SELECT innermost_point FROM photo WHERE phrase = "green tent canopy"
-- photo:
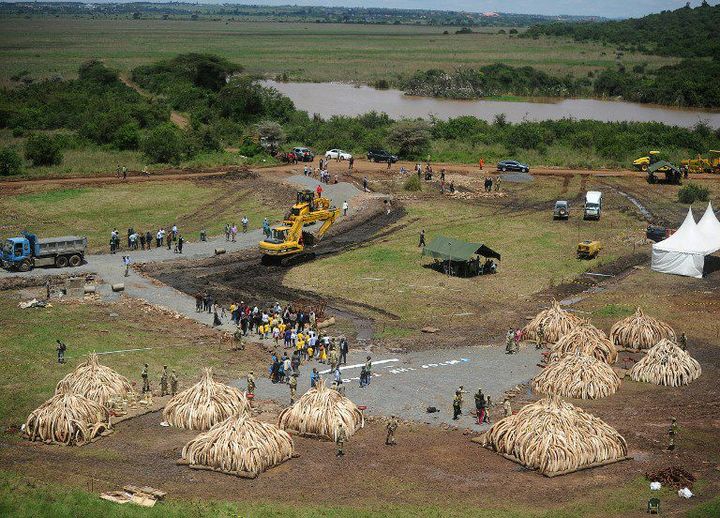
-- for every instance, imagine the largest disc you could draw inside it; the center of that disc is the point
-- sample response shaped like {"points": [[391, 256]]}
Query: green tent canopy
{"points": [[446, 248]]}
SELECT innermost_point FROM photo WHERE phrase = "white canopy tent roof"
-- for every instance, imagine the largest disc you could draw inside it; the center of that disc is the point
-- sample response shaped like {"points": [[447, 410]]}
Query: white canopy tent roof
{"points": [[684, 252]]}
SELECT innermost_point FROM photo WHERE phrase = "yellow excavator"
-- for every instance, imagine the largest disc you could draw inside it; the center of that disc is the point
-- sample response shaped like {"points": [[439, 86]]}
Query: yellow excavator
{"points": [[287, 242], [701, 164]]}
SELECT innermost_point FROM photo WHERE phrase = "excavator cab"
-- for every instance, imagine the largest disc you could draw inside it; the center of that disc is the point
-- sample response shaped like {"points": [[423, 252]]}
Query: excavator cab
{"points": [[289, 239]]}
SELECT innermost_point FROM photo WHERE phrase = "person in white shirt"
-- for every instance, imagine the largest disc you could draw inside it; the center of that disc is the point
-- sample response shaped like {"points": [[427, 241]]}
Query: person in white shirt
{"points": [[345, 208]]}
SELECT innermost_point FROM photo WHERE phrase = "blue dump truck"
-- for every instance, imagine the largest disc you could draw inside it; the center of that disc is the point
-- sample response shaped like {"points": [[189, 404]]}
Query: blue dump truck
{"points": [[27, 251]]}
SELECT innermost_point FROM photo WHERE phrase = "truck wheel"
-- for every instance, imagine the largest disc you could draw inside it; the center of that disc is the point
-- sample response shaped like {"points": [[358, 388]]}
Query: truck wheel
{"points": [[61, 261], [75, 260], [24, 266]]}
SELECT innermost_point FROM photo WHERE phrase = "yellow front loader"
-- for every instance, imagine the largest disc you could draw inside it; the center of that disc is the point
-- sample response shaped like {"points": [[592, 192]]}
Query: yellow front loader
{"points": [[711, 164], [289, 240]]}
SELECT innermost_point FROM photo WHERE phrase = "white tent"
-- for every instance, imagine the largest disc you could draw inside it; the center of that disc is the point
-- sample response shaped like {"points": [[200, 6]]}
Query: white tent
{"points": [[709, 226], [684, 252]]}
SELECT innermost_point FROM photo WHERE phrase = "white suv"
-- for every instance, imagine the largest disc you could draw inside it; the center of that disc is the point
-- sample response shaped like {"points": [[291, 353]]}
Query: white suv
{"points": [[334, 153]]}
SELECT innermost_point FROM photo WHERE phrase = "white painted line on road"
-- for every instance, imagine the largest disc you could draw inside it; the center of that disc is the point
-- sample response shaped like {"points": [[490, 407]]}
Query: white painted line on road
{"points": [[345, 367], [402, 370], [467, 314]]}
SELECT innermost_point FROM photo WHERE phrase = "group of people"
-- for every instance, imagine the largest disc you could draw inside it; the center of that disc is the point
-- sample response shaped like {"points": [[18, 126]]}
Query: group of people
{"points": [[139, 240], [231, 231], [490, 183], [168, 381], [482, 404], [513, 337]]}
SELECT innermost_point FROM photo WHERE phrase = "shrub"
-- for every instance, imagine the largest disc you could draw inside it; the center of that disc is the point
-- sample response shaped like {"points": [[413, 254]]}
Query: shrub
{"points": [[10, 162], [127, 136], [693, 192], [271, 134], [164, 143], [413, 183], [42, 149], [411, 137]]}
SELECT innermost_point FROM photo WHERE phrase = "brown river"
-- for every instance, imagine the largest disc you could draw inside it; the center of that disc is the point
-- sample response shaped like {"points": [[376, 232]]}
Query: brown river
{"points": [[328, 99]]}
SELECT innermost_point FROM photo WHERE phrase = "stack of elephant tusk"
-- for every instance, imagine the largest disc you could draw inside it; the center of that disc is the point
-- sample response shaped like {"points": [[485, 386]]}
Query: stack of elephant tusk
{"points": [[587, 339], [239, 444], [554, 436], [205, 404], [318, 413], [67, 418], [96, 382], [639, 331], [577, 376], [666, 364], [556, 323]]}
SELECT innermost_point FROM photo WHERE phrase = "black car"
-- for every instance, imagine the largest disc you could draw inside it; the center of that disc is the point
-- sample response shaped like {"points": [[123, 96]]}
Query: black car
{"points": [[512, 165], [380, 155]]}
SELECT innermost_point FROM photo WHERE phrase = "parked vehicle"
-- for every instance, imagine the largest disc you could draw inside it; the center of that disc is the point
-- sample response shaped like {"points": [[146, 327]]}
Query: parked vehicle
{"points": [[303, 154], [593, 205], [334, 153], [657, 233], [380, 155], [562, 210], [512, 165], [27, 251], [588, 249]]}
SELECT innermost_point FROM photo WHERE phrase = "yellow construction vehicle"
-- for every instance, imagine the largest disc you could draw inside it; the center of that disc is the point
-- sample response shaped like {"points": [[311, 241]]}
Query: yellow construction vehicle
{"points": [[588, 249], [289, 240], [701, 164], [644, 162]]}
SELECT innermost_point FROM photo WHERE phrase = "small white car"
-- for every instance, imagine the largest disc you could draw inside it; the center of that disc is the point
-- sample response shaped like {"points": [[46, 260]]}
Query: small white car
{"points": [[334, 153]]}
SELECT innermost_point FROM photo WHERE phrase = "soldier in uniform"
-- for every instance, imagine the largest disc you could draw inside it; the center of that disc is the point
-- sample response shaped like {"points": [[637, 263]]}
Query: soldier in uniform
{"points": [[540, 337], [173, 383], [251, 383], [238, 335], [61, 348], [392, 425], [340, 438], [457, 405], [509, 342], [293, 387], [672, 432], [145, 380], [164, 382]]}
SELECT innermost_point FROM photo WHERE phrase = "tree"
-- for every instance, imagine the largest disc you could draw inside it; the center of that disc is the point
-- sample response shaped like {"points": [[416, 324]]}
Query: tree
{"points": [[10, 162], [164, 143], [410, 137], [42, 149], [271, 134]]}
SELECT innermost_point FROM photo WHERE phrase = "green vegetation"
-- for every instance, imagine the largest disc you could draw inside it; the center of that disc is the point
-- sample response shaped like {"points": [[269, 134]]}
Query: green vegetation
{"points": [[492, 80], [693, 192], [413, 183], [10, 161], [95, 211], [685, 32], [43, 149], [614, 310]]}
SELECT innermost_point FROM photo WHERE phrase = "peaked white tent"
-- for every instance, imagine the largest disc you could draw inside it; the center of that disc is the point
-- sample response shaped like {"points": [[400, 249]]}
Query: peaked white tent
{"points": [[684, 252]]}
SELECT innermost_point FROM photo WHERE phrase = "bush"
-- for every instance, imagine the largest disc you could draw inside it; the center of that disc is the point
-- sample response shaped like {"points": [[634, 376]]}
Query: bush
{"points": [[127, 136], [10, 162], [411, 137], [42, 149], [164, 144], [693, 192], [413, 183]]}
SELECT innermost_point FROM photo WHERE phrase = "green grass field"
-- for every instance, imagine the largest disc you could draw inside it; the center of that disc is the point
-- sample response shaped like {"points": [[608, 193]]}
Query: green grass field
{"points": [[305, 51], [94, 211], [536, 252]]}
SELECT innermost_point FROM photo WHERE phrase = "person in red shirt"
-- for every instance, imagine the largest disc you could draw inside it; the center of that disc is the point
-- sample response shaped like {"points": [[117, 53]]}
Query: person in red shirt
{"points": [[319, 191]]}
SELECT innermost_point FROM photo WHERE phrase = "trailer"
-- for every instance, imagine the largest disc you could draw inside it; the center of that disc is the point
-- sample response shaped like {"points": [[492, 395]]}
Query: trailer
{"points": [[27, 251]]}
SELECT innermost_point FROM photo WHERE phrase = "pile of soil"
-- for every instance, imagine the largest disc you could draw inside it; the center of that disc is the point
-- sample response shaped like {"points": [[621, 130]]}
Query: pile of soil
{"points": [[673, 476]]}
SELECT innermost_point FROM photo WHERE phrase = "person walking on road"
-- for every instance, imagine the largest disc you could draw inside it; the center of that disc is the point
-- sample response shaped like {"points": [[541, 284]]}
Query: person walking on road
{"points": [[345, 208], [480, 406], [366, 373], [126, 263], [344, 347], [245, 222], [457, 406], [251, 383], [180, 242]]}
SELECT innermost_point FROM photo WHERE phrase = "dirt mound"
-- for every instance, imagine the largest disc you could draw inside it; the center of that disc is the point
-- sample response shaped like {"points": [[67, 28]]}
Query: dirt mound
{"points": [[673, 476]]}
